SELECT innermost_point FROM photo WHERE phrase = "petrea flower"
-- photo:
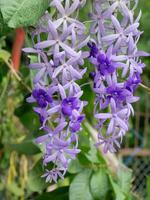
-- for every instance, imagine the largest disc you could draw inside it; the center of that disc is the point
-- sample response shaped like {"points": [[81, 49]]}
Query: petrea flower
{"points": [[105, 66], [76, 123], [117, 64], [132, 82], [57, 41], [41, 97], [68, 105], [52, 175]]}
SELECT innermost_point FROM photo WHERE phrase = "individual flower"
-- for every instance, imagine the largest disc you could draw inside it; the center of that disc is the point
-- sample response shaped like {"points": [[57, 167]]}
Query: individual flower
{"points": [[42, 97], [54, 174], [68, 105]]}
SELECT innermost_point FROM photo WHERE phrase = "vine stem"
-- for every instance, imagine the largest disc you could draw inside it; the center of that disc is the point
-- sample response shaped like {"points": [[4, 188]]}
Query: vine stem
{"points": [[111, 160], [145, 87], [16, 75]]}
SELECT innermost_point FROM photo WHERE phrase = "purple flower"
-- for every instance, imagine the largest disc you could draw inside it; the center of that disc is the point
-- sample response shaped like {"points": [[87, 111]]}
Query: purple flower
{"points": [[119, 94], [105, 66], [59, 152], [110, 144], [76, 124], [132, 82], [117, 117], [121, 35], [43, 115], [94, 50], [68, 105], [92, 75], [52, 175], [41, 97], [106, 62]]}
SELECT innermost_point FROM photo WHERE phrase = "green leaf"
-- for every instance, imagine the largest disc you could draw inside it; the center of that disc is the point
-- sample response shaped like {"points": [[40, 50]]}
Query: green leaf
{"points": [[83, 159], [28, 117], [75, 167], [148, 188], [4, 55], [94, 156], [15, 189], [3, 90], [4, 29], [18, 13], [84, 143], [2, 40], [99, 184], [125, 179], [117, 190], [35, 182], [59, 194], [83, 12], [26, 147], [79, 188]]}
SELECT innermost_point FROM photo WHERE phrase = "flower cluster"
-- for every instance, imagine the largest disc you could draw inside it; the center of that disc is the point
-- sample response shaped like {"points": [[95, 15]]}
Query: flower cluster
{"points": [[58, 40], [114, 53]]}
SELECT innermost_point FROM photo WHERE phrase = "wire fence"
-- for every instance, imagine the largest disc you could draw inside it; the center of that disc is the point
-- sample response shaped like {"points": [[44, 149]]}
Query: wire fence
{"points": [[136, 148]]}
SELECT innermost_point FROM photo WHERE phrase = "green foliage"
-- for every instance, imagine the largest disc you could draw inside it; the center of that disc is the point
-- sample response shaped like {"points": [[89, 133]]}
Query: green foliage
{"points": [[4, 55], [59, 194], [85, 11], [35, 182], [125, 180], [15, 189], [122, 188], [18, 13], [79, 188], [26, 147], [75, 167], [99, 184], [118, 193], [4, 30], [28, 118], [148, 187], [94, 156]]}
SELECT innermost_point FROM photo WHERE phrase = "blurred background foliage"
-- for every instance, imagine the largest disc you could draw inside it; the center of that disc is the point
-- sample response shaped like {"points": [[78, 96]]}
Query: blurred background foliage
{"points": [[89, 177]]}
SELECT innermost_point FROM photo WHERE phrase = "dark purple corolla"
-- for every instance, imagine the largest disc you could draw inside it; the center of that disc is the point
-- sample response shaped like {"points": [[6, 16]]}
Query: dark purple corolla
{"points": [[68, 105], [76, 123], [105, 66], [42, 97]]}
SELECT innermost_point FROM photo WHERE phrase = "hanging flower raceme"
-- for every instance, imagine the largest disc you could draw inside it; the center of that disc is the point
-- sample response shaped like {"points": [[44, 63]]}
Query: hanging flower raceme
{"points": [[115, 56], [57, 43], [57, 62]]}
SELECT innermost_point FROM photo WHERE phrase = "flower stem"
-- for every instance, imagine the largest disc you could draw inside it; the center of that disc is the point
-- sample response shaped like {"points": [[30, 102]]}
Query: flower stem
{"points": [[16, 75], [145, 87]]}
